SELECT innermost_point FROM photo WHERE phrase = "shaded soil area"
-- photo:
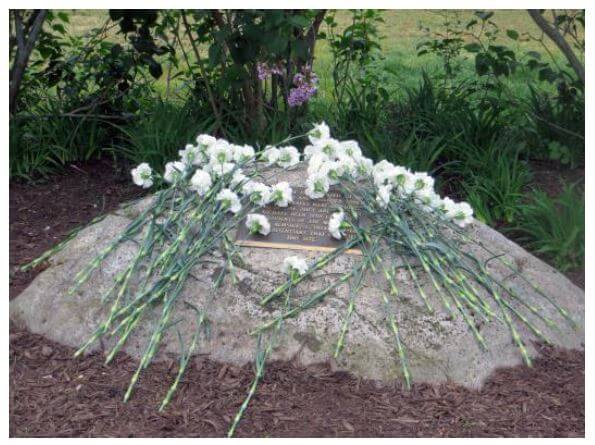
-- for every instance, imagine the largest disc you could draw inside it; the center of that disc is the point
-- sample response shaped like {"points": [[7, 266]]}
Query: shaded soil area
{"points": [[52, 394]]}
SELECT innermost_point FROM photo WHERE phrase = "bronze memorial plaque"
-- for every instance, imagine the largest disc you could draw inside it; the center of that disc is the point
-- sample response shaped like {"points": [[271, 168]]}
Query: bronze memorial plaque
{"points": [[303, 225]]}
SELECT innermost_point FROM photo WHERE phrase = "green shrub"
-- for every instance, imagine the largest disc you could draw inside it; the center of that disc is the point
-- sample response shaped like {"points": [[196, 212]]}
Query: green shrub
{"points": [[555, 227], [162, 130]]}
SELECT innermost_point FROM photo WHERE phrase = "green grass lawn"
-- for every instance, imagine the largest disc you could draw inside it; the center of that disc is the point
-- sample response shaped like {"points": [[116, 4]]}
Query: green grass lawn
{"points": [[401, 33]]}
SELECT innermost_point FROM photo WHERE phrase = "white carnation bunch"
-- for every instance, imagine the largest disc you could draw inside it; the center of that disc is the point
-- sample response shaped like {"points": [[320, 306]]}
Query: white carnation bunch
{"points": [[258, 224], [331, 161], [295, 265], [142, 175]]}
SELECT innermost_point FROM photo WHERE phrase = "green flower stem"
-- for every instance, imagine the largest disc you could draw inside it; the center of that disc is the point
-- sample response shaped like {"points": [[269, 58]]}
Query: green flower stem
{"points": [[318, 264]]}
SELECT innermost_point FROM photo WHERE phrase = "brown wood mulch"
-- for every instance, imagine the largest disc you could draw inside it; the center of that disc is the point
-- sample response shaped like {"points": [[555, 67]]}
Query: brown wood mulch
{"points": [[52, 394]]}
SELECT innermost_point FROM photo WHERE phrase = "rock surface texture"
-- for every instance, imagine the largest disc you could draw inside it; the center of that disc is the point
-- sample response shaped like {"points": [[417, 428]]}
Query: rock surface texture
{"points": [[439, 346]]}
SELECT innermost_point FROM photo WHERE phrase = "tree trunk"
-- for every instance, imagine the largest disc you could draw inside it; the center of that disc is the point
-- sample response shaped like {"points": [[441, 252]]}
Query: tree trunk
{"points": [[24, 49], [560, 42]]}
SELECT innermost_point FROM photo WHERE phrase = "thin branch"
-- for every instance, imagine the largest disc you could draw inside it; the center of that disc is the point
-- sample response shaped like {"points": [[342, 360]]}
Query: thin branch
{"points": [[561, 43], [24, 49]]}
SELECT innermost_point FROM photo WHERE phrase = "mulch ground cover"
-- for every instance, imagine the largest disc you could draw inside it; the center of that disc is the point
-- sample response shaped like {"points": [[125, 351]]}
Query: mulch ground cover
{"points": [[53, 394]]}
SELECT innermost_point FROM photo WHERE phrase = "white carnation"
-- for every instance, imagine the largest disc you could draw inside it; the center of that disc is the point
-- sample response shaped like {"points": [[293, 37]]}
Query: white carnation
{"points": [[174, 171], [229, 200], [270, 155], [422, 183], [258, 224], [428, 200], [142, 175], [238, 178], [204, 141], [380, 172], [220, 169], [317, 185], [311, 150], [282, 194], [191, 155], [201, 182], [288, 157], [220, 152], [316, 162], [347, 165], [295, 264], [320, 131], [461, 214], [330, 147], [260, 194], [383, 195], [363, 167], [333, 170], [351, 148], [336, 224], [243, 153]]}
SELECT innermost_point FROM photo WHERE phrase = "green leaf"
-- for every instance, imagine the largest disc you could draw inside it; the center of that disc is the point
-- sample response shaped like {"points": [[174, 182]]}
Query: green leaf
{"points": [[473, 47], [155, 69], [512, 34]]}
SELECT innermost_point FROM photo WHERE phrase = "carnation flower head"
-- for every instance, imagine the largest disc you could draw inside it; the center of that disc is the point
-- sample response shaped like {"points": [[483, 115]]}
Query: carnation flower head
{"points": [[259, 193], [446, 206], [229, 200], [281, 194], [258, 224], [174, 171], [317, 185], [288, 157], [383, 195], [350, 148], [380, 172], [220, 169], [363, 166], [316, 162], [330, 147], [142, 175], [347, 165], [220, 152], [238, 178], [337, 224], [204, 141], [191, 155], [270, 155], [429, 200], [333, 170], [201, 182], [422, 182], [461, 214], [295, 265], [319, 132], [311, 150], [242, 153]]}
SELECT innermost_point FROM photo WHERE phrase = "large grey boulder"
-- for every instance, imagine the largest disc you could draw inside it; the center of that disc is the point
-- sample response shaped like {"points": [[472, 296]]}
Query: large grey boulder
{"points": [[439, 346]]}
